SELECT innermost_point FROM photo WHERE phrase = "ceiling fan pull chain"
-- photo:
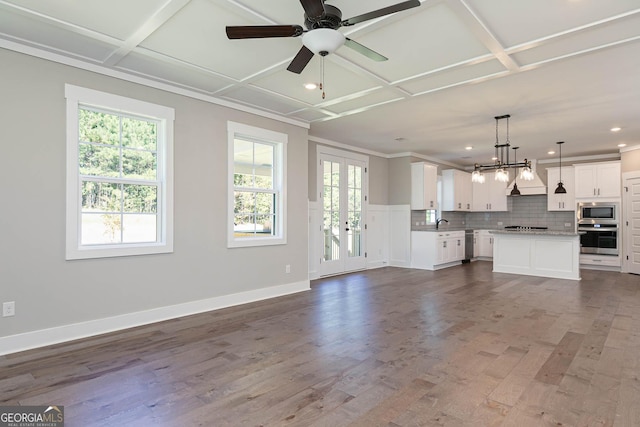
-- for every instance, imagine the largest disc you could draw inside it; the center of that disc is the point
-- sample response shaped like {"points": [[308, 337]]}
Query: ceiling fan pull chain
{"points": [[322, 81]]}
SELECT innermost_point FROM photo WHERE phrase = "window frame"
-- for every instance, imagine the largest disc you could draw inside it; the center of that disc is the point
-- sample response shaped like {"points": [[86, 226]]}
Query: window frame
{"points": [[279, 141], [77, 97]]}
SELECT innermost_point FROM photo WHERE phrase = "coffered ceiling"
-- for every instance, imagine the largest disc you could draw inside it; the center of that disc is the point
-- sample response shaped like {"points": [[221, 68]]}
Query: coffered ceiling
{"points": [[564, 69]]}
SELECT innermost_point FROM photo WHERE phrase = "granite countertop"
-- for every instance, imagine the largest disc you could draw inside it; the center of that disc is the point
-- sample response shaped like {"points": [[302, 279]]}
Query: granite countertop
{"points": [[443, 229], [538, 232]]}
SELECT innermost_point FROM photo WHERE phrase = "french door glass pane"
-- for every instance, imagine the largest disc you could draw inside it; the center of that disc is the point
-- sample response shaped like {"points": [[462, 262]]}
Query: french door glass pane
{"points": [[331, 208], [354, 211]]}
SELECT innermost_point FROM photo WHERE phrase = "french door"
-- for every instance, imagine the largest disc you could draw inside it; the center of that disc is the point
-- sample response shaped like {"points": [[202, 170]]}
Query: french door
{"points": [[342, 201]]}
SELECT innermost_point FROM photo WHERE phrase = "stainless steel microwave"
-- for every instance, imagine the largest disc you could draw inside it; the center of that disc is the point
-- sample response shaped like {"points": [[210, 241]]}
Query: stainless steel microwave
{"points": [[598, 212]]}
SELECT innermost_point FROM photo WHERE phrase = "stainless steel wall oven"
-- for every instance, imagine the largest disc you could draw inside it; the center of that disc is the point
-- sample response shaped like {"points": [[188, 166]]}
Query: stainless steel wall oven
{"points": [[599, 222]]}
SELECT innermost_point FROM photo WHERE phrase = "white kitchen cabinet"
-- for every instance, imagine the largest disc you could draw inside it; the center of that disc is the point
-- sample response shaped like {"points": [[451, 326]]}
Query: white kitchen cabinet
{"points": [[482, 244], [490, 195], [561, 202], [597, 180], [456, 190], [432, 250], [424, 186]]}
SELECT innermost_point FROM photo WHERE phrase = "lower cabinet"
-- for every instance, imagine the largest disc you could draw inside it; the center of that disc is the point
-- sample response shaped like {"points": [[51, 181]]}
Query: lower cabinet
{"points": [[482, 244], [431, 250]]}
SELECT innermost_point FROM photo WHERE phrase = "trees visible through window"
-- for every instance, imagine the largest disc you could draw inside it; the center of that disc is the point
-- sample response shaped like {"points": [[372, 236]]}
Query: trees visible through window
{"points": [[257, 199], [119, 178], [118, 171]]}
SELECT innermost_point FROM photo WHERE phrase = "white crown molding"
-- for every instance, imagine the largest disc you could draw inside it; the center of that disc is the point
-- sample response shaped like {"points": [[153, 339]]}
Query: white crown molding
{"points": [[96, 68], [347, 147], [610, 156], [632, 148], [425, 157]]}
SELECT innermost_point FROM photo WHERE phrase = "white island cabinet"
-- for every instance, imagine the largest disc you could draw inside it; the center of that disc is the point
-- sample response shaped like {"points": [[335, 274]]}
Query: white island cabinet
{"points": [[537, 253], [433, 250]]}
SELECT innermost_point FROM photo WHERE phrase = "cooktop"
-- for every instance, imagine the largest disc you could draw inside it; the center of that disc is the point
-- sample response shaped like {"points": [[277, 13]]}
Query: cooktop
{"points": [[523, 227]]}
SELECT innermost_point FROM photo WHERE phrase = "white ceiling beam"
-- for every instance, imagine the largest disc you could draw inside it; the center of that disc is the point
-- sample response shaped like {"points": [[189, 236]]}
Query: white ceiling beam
{"points": [[162, 15], [480, 30]]}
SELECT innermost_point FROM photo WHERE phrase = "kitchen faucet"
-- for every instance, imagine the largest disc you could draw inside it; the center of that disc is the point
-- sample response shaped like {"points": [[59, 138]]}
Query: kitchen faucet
{"points": [[438, 221]]}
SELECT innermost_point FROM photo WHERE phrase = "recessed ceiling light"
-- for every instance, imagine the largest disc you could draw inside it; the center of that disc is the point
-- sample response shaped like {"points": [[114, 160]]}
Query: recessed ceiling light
{"points": [[468, 147], [551, 152], [622, 145], [310, 86], [616, 129], [494, 158]]}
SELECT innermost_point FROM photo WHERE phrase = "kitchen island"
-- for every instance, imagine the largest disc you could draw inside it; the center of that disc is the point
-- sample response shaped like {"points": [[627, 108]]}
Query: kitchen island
{"points": [[537, 253]]}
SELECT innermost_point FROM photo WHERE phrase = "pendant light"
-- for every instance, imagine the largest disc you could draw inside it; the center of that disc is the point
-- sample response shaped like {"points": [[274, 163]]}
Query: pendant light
{"points": [[560, 189], [501, 163], [515, 191]]}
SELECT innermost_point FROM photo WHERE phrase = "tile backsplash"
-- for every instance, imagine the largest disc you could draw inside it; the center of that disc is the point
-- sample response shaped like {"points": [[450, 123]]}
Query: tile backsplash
{"points": [[528, 211]]}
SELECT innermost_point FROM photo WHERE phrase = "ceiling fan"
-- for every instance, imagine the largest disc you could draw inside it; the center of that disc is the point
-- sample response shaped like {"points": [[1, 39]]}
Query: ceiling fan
{"points": [[321, 36]]}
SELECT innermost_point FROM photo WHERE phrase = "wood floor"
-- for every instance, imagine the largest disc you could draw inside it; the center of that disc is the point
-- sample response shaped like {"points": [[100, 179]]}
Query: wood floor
{"points": [[386, 347]]}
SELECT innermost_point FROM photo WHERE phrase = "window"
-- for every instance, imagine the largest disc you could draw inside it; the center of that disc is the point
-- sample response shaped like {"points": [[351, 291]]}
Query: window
{"points": [[119, 175], [257, 159]]}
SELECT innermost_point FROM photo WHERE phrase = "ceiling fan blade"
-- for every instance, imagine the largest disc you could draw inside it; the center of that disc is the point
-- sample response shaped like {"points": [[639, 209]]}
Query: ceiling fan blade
{"points": [[381, 12], [371, 54], [263, 31], [301, 60], [314, 9]]}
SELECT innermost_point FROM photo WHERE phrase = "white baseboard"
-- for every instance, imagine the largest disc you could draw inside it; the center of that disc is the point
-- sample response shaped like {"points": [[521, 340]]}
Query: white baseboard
{"points": [[400, 263], [377, 264], [43, 337]]}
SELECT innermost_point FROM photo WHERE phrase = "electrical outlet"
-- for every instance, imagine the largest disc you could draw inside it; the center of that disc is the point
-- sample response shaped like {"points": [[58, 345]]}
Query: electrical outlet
{"points": [[567, 224], [499, 222], [287, 268], [8, 309]]}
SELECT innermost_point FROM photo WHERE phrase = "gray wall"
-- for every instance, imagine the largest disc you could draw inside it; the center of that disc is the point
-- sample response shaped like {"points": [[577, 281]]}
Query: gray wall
{"points": [[630, 161], [50, 291], [399, 184]]}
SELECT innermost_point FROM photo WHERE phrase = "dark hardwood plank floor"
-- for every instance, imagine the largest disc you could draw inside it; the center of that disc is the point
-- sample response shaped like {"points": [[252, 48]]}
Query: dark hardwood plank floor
{"points": [[385, 347]]}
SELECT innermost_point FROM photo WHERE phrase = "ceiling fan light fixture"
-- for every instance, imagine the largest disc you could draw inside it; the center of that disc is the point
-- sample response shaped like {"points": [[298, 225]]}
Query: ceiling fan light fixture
{"points": [[323, 40]]}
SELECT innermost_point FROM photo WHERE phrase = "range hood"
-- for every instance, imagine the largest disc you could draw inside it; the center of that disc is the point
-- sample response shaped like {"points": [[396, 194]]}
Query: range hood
{"points": [[529, 188]]}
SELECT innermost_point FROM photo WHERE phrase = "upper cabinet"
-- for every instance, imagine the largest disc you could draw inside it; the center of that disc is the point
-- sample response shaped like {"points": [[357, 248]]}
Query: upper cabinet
{"points": [[456, 190], [561, 202], [597, 180], [424, 186], [490, 195]]}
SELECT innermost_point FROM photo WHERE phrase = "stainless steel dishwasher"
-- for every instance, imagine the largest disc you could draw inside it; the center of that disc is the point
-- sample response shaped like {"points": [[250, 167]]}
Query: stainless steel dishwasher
{"points": [[468, 246]]}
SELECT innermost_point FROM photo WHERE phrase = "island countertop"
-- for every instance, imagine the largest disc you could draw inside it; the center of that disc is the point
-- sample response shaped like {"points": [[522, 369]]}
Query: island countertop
{"points": [[538, 232]]}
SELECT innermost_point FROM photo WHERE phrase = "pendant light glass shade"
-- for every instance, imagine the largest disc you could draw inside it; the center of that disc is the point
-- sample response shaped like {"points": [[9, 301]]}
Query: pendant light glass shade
{"points": [[527, 173], [560, 188], [502, 175], [477, 176]]}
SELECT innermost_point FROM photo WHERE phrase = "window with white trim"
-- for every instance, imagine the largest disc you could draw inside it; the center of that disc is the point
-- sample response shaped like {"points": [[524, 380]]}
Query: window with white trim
{"points": [[256, 206], [119, 175]]}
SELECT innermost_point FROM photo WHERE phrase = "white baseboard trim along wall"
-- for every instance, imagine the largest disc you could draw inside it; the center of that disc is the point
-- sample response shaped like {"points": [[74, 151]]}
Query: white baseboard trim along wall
{"points": [[44, 337]]}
